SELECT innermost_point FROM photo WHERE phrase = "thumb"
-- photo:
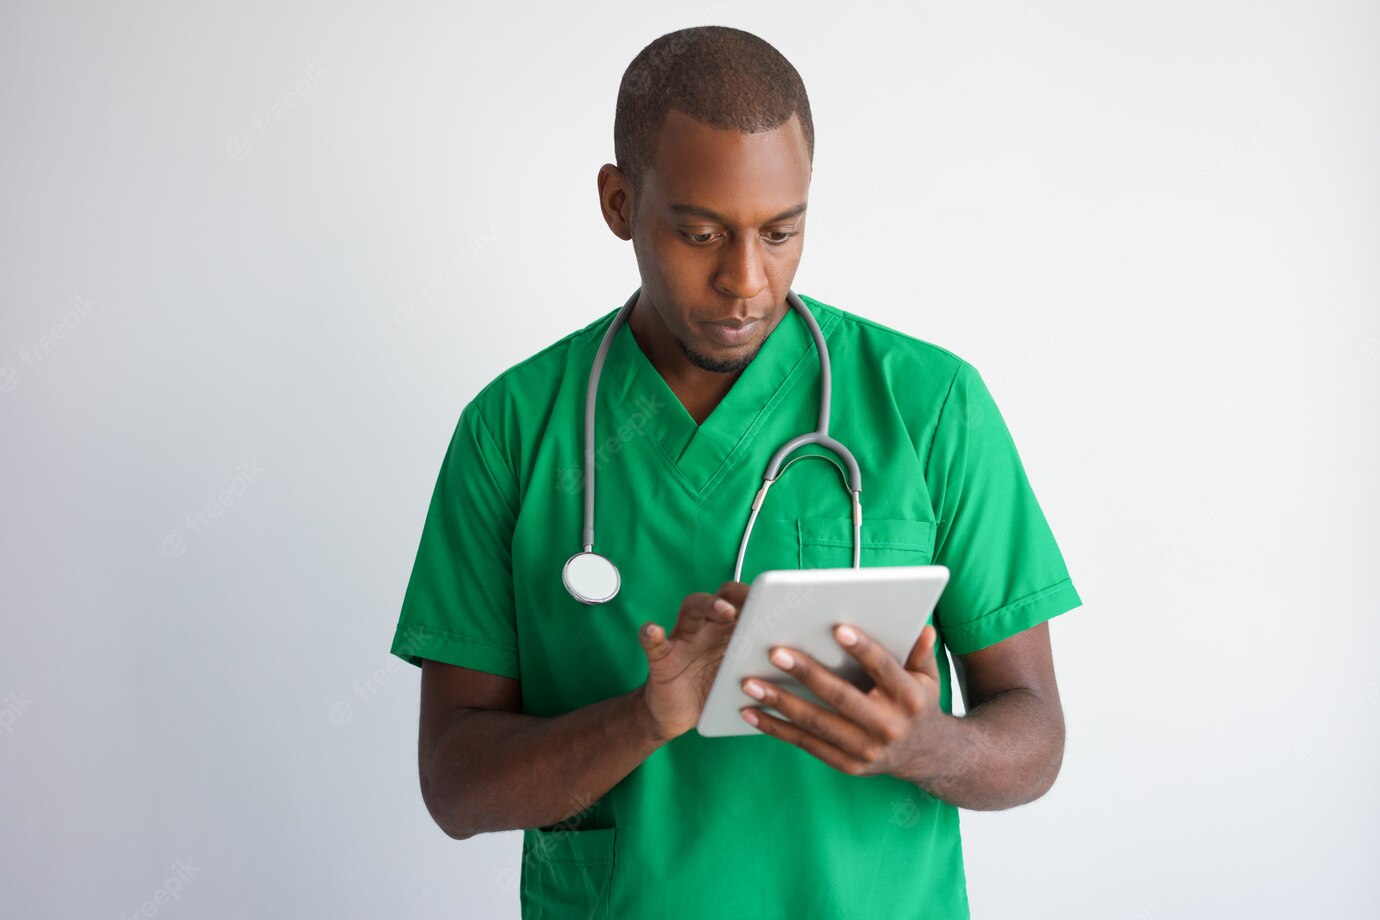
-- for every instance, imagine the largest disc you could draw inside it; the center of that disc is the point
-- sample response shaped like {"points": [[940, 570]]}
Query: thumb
{"points": [[922, 657], [654, 641]]}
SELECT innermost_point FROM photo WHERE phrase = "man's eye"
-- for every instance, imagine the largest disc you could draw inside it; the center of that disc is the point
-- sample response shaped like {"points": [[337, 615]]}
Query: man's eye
{"points": [[775, 237]]}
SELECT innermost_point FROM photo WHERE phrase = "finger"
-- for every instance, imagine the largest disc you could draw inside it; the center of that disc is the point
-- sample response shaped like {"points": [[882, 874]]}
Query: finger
{"points": [[793, 734], [866, 713], [735, 592], [922, 658], [653, 640], [699, 609], [890, 676], [841, 732]]}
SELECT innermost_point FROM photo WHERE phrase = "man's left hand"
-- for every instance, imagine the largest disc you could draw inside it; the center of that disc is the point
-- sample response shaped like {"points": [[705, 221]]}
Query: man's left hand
{"points": [[895, 728]]}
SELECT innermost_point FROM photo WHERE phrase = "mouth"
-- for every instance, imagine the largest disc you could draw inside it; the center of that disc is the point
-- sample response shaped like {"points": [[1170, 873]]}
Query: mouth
{"points": [[732, 333]]}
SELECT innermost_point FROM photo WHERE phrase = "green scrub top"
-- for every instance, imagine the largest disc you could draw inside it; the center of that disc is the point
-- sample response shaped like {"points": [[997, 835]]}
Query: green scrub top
{"points": [[747, 826]]}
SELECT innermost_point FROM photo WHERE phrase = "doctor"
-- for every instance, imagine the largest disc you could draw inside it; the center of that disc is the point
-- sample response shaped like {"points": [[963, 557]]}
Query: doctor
{"points": [[575, 722]]}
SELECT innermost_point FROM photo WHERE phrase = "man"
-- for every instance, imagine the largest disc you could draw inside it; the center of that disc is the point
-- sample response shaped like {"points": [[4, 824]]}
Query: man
{"points": [[540, 713]]}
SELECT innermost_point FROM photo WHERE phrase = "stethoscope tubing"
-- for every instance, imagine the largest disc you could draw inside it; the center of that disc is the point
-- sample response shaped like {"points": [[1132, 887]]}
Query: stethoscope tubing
{"points": [[852, 477]]}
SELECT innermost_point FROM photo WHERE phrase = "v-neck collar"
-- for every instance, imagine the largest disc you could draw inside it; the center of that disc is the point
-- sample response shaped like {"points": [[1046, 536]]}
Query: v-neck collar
{"points": [[701, 454]]}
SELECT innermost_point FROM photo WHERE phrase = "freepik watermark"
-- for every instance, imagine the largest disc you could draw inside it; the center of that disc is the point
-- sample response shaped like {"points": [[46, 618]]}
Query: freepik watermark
{"points": [[479, 242], [36, 352], [546, 844], [1034, 360], [906, 811], [766, 624], [911, 807], [341, 711], [571, 479], [170, 890], [175, 544], [11, 708], [1354, 710], [1206, 181], [640, 78], [238, 146]]}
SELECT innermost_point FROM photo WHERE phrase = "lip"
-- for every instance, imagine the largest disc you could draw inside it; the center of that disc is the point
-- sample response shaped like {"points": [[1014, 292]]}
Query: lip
{"points": [[732, 333]]}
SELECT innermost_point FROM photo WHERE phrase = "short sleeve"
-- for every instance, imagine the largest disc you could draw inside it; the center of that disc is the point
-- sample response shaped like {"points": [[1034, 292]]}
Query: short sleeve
{"points": [[1006, 572], [458, 607]]}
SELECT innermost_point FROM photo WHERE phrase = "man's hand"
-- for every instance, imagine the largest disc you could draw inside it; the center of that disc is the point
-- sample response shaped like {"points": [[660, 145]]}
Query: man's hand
{"points": [[681, 667], [896, 728]]}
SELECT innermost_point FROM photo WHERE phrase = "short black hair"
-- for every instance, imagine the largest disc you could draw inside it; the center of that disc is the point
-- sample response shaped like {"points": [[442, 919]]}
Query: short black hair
{"points": [[721, 76]]}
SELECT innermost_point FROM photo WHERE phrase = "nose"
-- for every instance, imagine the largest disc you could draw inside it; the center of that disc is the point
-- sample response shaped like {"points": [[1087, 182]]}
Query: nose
{"points": [[742, 274]]}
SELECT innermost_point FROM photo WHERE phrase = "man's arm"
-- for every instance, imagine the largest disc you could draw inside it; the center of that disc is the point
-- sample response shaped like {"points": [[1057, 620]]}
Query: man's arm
{"points": [[486, 766], [1007, 749]]}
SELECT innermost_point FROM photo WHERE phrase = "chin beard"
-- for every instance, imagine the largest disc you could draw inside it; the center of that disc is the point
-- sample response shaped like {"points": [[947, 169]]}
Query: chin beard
{"points": [[704, 362]]}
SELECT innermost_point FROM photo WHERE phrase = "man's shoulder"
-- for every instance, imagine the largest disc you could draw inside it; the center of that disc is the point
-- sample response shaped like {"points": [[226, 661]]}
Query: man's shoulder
{"points": [[905, 353], [540, 374]]}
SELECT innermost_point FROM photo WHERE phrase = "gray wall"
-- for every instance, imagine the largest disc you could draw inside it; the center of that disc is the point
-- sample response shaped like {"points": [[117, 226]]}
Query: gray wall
{"points": [[256, 259]]}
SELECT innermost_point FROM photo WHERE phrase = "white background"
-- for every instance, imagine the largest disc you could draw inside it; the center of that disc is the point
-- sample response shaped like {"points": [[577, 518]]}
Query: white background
{"points": [[255, 261]]}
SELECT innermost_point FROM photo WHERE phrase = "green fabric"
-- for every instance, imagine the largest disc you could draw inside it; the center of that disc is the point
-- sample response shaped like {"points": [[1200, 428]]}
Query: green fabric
{"points": [[746, 826]]}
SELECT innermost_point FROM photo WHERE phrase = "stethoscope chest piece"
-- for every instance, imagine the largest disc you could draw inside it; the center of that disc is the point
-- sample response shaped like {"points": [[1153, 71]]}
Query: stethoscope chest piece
{"points": [[590, 578]]}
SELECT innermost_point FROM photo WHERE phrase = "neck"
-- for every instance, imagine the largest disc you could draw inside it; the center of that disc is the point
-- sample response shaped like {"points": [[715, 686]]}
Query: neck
{"points": [[698, 390]]}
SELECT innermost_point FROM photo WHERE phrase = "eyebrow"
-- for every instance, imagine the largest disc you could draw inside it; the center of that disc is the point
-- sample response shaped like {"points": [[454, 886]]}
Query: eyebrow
{"points": [[691, 210]]}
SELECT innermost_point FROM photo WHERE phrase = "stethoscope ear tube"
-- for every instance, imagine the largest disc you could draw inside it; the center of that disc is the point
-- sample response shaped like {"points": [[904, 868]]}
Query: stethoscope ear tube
{"points": [[591, 397]]}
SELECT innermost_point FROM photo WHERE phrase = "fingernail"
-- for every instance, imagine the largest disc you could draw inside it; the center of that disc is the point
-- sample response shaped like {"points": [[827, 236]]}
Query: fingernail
{"points": [[782, 658], [723, 606], [847, 636], [749, 717], [755, 690]]}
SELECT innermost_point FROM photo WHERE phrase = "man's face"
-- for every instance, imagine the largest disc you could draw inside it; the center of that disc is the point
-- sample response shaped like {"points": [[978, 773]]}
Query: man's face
{"points": [[718, 231]]}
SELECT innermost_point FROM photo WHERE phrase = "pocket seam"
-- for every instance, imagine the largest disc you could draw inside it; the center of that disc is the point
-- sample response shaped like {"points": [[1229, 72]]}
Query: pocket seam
{"points": [[590, 847], [820, 538]]}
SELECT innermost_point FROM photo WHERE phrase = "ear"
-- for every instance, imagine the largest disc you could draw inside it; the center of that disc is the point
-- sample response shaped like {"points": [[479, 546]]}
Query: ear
{"points": [[616, 200]]}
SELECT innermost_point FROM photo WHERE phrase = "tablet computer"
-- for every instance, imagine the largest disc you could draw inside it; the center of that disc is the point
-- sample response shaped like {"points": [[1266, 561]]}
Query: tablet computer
{"points": [[799, 608]]}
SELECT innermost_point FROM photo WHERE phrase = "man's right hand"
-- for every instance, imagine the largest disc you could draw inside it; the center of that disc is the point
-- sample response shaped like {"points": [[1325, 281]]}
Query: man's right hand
{"points": [[681, 667]]}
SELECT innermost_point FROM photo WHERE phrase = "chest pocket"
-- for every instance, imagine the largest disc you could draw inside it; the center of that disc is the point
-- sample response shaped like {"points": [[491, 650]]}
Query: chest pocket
{"points": [[827, 543]]}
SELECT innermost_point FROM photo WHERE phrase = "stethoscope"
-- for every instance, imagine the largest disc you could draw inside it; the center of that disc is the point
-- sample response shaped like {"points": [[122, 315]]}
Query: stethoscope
{"points": [[593, 579]]}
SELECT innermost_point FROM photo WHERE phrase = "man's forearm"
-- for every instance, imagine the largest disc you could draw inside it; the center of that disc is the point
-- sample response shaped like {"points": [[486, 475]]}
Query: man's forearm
{"points": [[494, 771], [1005, 752]]}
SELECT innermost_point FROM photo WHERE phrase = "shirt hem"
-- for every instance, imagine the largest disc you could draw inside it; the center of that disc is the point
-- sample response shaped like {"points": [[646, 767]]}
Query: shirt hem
{"points": [[414, 643], [1019, 615]]}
